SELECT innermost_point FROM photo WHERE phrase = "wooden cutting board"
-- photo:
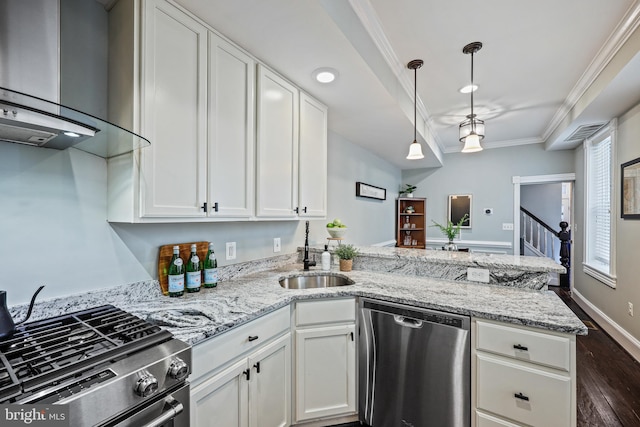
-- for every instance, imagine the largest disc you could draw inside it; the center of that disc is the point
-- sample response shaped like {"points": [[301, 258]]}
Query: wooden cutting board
{"points": [[166, 253]]}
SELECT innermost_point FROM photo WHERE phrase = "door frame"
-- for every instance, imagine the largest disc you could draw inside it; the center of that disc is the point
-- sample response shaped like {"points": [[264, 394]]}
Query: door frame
{"points": [[538, 179]]}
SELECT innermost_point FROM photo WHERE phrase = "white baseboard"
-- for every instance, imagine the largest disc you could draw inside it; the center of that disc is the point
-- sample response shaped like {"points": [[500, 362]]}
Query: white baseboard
{"points": [[617, 332]]}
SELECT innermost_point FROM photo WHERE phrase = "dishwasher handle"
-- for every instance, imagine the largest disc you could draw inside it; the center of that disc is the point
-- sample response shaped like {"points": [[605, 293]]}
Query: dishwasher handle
{"points": [[407, 321]]}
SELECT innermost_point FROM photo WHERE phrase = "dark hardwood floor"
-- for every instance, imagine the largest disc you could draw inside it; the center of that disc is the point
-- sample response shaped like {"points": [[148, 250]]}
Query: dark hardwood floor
{"points": [[608, 378]]}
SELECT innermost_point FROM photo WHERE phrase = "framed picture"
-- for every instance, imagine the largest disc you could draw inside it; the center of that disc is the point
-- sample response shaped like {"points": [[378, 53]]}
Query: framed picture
{"points": [[630, 176], [370, 191], [459, 206]]}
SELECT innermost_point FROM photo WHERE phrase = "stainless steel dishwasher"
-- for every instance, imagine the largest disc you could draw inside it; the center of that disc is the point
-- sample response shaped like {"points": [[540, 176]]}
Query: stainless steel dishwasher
{"points": [[414, 366]]}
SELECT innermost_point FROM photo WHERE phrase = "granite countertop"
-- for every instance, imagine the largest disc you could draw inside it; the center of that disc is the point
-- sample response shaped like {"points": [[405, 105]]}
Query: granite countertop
{"points": [[196, 317], [467, 259]]}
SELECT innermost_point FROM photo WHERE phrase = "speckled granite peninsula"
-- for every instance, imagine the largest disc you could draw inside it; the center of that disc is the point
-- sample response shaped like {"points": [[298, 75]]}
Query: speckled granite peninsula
{"points": [[252, 290], [506, 270]]}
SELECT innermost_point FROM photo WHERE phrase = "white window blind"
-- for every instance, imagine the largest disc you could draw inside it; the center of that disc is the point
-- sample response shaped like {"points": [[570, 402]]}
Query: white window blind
{"points": [[598, 204]]}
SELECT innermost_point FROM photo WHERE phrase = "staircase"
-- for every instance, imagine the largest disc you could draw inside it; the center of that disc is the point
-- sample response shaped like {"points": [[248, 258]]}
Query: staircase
{"points": [[538, 239]]}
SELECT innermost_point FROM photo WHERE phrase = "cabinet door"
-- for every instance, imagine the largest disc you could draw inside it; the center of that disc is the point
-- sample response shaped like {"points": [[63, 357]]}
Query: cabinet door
{"points": [[173, 175], [312, 166], [231, 130], [222, 401], [270, 385], [277, 146], [325, 372]]}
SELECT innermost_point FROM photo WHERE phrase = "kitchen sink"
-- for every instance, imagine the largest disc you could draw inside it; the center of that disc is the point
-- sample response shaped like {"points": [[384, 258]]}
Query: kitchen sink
{"points": [[315, 281]]}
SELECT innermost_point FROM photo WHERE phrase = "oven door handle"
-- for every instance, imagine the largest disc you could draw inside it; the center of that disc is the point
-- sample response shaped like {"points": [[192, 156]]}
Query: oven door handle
{"points": [[175, 409]]}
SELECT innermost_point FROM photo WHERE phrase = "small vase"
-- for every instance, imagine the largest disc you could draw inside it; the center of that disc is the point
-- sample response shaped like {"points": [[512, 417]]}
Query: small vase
{"points": [[450, 246], [409, 194], [346, 264]]}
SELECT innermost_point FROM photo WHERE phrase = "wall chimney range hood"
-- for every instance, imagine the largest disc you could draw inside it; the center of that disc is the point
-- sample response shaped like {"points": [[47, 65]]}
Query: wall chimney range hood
{"points": [[26, 119]]}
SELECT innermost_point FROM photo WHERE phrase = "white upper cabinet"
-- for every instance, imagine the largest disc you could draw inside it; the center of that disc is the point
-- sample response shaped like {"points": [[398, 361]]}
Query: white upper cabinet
{"points": [[312, 167], [173, 169], [228, 142], [231, 130], [277, 146]]}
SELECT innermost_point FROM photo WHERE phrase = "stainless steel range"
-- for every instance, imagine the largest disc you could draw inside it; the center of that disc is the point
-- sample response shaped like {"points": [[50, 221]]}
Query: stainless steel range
{"points": [[111, 367]]}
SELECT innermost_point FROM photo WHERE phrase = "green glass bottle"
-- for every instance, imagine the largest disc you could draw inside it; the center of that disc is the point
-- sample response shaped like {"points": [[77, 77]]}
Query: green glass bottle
{"points": [[176, 274], [194, 273], [210, 269]]}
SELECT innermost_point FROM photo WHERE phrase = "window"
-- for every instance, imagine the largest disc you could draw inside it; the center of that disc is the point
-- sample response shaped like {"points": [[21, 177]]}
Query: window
{"points": [[599, 224]]}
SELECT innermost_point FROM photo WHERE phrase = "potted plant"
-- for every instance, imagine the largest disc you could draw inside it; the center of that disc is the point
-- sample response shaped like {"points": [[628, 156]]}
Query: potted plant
{"points": [[451, 231], [346, 253], [408, 190]]}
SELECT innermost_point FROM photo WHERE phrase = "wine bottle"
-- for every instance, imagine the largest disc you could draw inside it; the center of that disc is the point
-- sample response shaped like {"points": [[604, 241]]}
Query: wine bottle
{"points": [[194, 273], [176, 274], [210, 269]]}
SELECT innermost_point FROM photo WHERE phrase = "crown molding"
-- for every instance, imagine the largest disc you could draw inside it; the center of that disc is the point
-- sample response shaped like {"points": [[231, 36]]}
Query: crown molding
{"points": [[496, 144], [624, 30], [369, 19]]}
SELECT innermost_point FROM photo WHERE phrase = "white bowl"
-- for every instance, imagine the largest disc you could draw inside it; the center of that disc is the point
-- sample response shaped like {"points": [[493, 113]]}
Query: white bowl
{"points": [[337, 232]]}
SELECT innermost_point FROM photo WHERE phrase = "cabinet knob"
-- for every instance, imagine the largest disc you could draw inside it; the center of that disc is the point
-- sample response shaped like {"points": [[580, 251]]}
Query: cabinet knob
{"points": [[204, 206], [521, 397], [253, 338], [215, 206], [304, 209], [257, 366], [297, 210], [520, 347]]}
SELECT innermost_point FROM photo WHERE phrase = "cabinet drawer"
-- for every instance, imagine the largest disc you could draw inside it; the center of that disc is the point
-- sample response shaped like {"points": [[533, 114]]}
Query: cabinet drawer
{"points": [[325, 311], [486, 420], [214, 353], [548, 394], [529, 346]]}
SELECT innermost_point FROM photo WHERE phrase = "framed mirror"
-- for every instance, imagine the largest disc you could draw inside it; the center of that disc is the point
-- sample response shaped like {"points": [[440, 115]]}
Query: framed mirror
{"points": [[459, 205], [630, 175]]}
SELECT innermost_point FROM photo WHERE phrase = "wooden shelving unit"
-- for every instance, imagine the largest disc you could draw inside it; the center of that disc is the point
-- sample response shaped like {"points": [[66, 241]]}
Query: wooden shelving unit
{"points": [[411, 226]]}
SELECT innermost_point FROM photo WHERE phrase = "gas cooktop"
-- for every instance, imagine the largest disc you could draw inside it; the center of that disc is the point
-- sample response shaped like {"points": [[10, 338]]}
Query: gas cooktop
{"points": [[44, 353]]}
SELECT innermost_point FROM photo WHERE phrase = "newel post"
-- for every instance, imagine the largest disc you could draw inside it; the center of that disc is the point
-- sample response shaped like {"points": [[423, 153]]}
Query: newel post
{"points": [[565, 253]]}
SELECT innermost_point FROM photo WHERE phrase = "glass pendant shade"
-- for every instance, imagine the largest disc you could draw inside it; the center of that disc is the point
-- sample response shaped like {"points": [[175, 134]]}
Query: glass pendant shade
{"points": [[472, 123], [415, 151], [471, 144]]}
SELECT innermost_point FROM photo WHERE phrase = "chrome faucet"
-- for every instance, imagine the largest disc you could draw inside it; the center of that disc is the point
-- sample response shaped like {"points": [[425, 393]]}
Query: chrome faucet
{"points": [[306, 261]]}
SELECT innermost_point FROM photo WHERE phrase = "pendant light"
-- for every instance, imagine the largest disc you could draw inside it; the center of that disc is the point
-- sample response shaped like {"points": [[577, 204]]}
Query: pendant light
{"points": [[415, 149], [472, 129]]}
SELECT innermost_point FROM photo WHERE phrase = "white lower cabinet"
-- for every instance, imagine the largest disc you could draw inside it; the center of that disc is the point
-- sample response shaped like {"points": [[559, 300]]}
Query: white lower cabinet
{"points": [[523, 376], [254, 391], [325, 359]]}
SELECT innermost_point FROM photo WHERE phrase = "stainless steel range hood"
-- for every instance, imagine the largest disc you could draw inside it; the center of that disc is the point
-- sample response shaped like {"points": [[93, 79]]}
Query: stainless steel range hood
{"points": [[29, 120], [55, 52]]}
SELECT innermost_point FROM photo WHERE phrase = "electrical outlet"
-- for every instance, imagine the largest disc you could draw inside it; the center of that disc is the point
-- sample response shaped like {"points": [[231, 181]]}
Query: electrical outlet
{"points": [[231, 250], [478, 275], [276, 244], [508, 226], [630, 309]]}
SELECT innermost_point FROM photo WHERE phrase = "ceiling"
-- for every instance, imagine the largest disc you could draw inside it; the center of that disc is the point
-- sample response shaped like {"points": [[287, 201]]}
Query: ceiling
{"points": [[538, 59]]}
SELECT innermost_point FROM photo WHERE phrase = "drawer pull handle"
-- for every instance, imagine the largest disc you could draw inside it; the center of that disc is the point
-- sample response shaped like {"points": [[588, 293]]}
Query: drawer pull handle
{"points": [[253, 338], [247, 372], [257, 366], [521, 397], [520, 347]]}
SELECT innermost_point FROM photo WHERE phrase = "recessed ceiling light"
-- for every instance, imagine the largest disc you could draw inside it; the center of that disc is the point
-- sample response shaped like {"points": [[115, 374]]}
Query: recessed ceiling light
{"points": [[325, 75], [72, 134], [469, 88]]}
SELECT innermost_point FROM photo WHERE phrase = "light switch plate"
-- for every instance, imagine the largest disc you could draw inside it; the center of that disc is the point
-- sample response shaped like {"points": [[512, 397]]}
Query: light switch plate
{"points": [[231, 250], [276, 244], [478, 275]]}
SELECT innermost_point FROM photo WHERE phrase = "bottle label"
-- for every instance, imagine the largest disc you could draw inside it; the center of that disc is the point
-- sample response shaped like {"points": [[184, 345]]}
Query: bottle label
{"points": [[210, 275], [176, 283], [212, 256], [193, 279], [195, 259], [178, 262]]}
